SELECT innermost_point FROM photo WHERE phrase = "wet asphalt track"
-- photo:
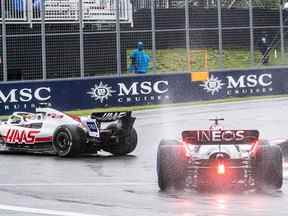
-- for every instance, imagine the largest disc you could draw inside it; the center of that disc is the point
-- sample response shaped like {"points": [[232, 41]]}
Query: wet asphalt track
{"points": [[108, 186]]}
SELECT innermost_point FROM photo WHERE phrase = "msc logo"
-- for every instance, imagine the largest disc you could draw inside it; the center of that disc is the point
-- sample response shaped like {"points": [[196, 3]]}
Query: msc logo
{"points": [[245, 84], [101, 92], [143, 88], [23, 98], [25, 95], [134, 92], [250, 81], [213, 85]]}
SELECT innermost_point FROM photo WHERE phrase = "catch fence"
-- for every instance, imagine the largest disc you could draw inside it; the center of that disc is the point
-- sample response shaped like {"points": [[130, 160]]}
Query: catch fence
{"points": [[56, 39]]}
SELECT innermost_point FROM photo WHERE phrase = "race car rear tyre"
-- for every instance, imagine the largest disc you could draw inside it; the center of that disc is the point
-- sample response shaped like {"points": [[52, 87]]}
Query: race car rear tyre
{"points": [[284, 149], [124, 144], [68, 140], [171, 165], [268, 167]]}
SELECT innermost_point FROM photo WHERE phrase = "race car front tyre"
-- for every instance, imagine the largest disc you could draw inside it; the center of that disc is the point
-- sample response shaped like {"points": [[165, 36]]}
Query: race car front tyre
{"points": [[268, 167], [68, 140], [123, 144], [171, 163]]}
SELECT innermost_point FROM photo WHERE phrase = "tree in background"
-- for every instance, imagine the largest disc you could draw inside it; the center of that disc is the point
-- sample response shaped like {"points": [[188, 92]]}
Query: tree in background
{"points": [[267, 4]]}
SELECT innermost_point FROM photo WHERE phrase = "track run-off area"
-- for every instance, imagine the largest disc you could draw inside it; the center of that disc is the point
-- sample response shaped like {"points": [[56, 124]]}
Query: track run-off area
{"points": [[103, 185]]}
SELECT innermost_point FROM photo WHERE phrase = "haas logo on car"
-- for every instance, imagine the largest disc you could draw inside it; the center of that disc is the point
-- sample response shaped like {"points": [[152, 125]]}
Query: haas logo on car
{"points": [[21, 136]]}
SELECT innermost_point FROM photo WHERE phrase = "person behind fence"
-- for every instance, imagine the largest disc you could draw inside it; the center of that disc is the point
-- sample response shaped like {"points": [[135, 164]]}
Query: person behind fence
{"points": [[17, 5], [285, 13], [139, 60], [264, 47]]}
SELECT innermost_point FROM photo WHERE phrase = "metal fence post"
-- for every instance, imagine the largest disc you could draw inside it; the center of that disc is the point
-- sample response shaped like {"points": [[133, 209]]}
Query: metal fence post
{"points": [[220, 33], [82, 66], [4, 41], [154, 64], [187, 30], [30, 14], [118, 38], [281, 31], [43, 41], [252, 51]]}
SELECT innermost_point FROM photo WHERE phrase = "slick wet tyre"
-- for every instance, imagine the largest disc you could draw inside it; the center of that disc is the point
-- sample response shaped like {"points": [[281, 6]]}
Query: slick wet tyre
{"points": [[171, 165], [68, 140], [268, 167], [124, 144]]}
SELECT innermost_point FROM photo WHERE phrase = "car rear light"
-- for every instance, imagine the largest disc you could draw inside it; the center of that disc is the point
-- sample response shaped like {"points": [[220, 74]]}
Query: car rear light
{"points": [[221, 169]]}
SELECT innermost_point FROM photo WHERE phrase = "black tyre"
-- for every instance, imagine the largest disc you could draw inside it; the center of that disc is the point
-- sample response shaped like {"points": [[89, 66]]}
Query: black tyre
{"points": [[124, 143], [68, 140], [171, 165], [284, 149], [268, 167]]}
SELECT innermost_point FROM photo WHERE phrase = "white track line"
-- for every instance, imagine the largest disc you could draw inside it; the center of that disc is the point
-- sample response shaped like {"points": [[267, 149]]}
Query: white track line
{"points": [[77, 184], [41, 211]]}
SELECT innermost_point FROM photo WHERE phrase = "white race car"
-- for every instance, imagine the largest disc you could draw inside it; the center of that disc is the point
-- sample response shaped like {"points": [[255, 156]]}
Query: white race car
{"points": [[51, 131], [218, 158]]}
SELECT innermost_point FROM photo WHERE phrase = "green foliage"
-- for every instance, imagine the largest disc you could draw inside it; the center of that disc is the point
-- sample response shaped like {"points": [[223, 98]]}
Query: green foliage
{"points": [[175, 60], [267, 4]]}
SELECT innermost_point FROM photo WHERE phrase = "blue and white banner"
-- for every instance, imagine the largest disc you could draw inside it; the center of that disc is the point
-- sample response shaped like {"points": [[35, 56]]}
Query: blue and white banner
{"points": [[140, 90]]}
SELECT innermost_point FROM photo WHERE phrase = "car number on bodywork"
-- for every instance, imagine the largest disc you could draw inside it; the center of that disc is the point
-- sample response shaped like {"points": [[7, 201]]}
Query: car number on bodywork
{"points": [[93, 128]]}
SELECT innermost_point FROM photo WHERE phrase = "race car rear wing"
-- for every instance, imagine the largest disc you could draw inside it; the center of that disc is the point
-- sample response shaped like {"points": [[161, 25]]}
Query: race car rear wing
{"points": [[125, 118], [110, 116], [212, 137]]}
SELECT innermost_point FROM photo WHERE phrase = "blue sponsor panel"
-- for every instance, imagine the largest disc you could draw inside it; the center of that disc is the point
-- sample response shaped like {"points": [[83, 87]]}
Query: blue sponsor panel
{"points": [[139, 90], [246, 83], [92, 93]]}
